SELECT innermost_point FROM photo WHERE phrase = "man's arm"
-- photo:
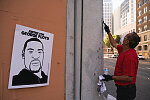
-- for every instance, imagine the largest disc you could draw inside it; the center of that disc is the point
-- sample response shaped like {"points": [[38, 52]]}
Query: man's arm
{"points": [[123, 78], [111, 39]]}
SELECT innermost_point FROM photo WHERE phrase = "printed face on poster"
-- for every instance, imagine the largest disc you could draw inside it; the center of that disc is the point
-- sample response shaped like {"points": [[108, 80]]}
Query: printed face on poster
{"points": [[31, 58]]}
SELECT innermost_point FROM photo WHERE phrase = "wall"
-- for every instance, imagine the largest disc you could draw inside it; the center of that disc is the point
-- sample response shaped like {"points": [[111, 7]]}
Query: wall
{"points": [[45, 15], [142, 43], [84, 49], [92, 48]]}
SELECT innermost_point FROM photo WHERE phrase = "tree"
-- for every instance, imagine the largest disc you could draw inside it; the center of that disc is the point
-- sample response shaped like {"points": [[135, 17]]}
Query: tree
{"points": [[116, 38]]}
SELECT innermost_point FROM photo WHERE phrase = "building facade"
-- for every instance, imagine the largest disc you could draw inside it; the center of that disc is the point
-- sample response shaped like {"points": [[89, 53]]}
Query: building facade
{"points": [[116, 22], [127, 18], [143, 27], [127, 12], [107, 14]]}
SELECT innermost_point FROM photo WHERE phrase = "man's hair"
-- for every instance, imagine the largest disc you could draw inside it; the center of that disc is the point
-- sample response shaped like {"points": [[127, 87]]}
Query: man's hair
{"points": [[134, 39], [29, 40]]}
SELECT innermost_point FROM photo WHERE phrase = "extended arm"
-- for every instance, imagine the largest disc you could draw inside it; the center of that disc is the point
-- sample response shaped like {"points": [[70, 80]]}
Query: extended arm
{"points": [[111, 39]]}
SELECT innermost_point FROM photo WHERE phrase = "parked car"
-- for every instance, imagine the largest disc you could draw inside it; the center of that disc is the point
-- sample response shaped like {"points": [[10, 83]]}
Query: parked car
{"points": [[114, 56], [141, 57]]}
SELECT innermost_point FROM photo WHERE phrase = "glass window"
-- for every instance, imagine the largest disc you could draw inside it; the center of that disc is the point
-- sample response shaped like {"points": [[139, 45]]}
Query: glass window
{"points": [[145, 37], [131, 1], [139, 14], [145, 10], [145, 19], [139, 48], [144, 1], [139, 29], [145, 27], [139, 4], [140, 21], [140, 39], [145, 47]]}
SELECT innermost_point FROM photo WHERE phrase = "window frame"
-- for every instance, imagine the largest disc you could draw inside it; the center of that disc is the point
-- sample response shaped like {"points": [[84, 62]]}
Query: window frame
{"points": [[145, 37]]}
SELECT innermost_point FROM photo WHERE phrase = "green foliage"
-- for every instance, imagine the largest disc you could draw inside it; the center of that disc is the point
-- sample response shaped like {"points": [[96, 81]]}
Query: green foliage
{"points": [[116, 38], [106, 42]]}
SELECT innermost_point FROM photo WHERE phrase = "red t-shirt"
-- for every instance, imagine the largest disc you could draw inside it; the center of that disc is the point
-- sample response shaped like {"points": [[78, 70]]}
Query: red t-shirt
{"points": [[127, 64]]}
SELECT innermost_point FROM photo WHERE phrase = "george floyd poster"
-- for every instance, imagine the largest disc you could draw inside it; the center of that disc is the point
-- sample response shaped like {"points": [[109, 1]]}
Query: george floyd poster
{"points": [[31, 58]]}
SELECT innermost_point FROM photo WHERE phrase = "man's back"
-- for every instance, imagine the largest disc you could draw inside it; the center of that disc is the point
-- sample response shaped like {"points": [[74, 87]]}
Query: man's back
{"points": [[127, 64]]}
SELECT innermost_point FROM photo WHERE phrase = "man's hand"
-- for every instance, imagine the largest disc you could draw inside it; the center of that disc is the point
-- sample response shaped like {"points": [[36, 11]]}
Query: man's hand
{"points": [[111, 39], [106, 28], [107, 77]]}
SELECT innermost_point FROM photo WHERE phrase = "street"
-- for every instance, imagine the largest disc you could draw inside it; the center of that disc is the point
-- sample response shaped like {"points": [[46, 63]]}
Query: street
{"points": [[142, 83]]}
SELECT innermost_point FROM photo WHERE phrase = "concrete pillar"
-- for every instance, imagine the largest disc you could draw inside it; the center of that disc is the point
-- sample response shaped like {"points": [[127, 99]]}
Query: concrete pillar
{"points": [[92, 48], [70, 51], [84, 25]]}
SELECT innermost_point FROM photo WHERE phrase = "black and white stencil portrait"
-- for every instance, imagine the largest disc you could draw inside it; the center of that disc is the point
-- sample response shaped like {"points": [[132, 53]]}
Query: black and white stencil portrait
{"points": [[31, 58]]}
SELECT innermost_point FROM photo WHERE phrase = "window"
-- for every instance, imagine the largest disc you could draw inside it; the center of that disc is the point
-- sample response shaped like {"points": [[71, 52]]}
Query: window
{"points": [[139, 30], [144, 1], [131, 1], [145, 10], [145, 47], [145, 19], [140, 39], [139, 48], [139, 14], [132, 5], [140, 21], [145, 37], [139, 4], [145, 27]]}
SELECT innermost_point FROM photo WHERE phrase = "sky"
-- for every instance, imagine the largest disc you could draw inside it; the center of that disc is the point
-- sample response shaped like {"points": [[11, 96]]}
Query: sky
{"points": [[116, 3]]}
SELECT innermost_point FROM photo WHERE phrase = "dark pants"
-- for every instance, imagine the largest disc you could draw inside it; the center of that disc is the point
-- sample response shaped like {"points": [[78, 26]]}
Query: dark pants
{"points": [[127, 92]]}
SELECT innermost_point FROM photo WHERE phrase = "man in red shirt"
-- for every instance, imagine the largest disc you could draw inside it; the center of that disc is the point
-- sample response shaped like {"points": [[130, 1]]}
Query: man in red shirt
{"points": [[126, 66]]}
